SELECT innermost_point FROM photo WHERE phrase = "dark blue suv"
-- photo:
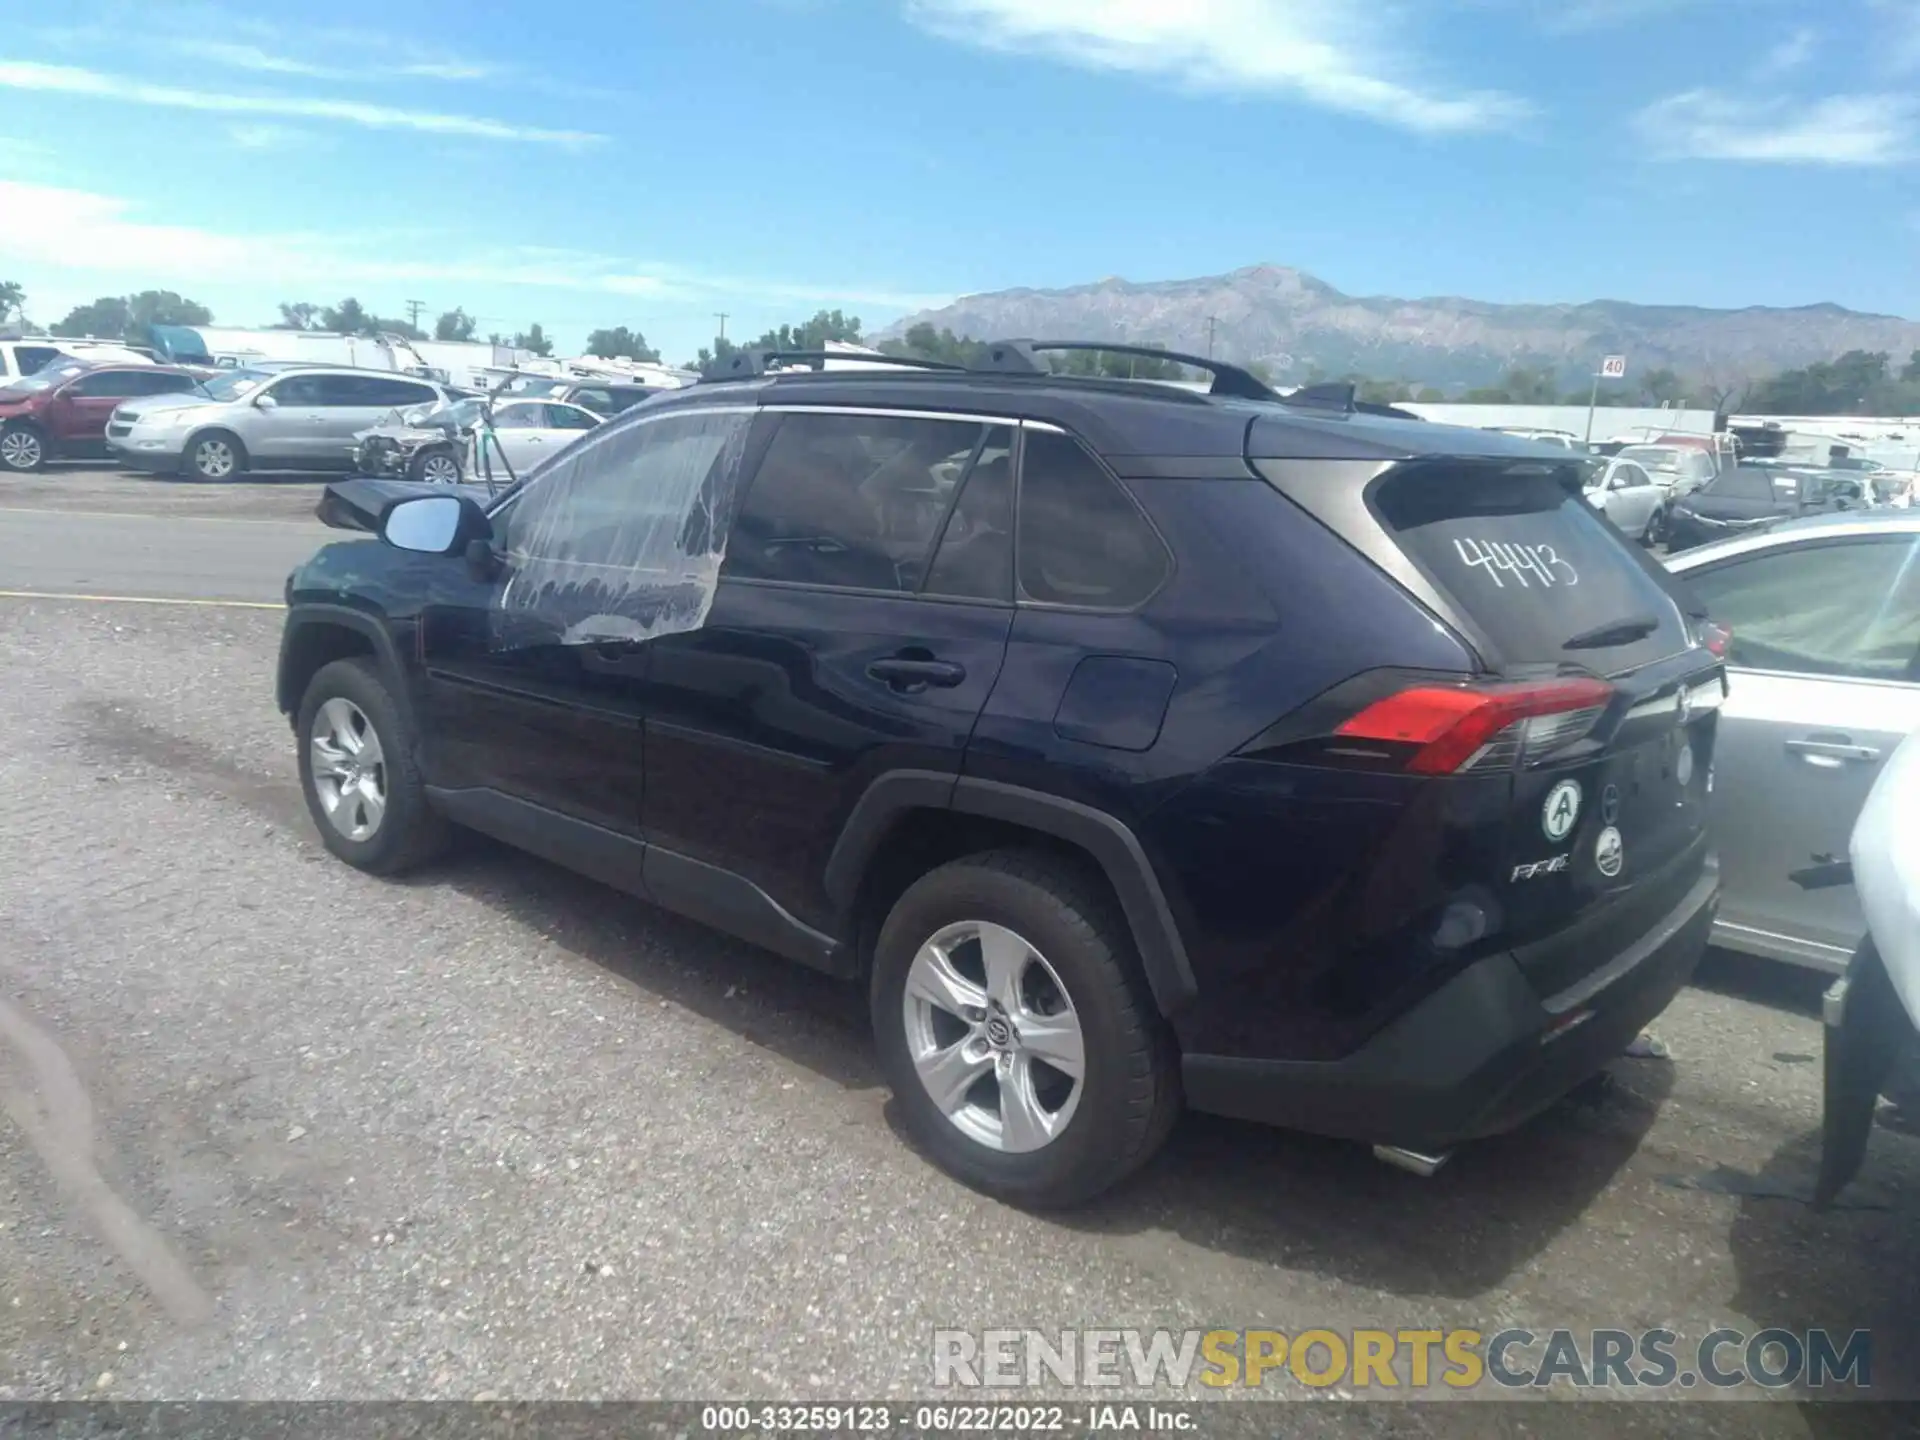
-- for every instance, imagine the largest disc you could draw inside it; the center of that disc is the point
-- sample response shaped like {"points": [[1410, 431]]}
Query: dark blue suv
{"points": [[1133, 743]]}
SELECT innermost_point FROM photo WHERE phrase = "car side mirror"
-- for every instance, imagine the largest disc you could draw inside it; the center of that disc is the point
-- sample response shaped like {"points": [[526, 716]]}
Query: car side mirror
{"points": [[265, 402], [436, 525]]}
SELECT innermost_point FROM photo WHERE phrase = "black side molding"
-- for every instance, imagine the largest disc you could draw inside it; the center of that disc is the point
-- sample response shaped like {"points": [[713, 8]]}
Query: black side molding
{"points": [[720, 898], [1111, 844]]}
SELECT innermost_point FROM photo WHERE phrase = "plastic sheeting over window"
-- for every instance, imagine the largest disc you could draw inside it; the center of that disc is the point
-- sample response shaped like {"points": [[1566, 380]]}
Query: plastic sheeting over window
{"points": [[621, 539]]}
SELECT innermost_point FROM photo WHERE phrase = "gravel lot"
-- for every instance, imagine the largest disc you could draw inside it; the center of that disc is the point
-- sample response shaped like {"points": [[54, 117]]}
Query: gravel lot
{"points": [[274, 1129]]}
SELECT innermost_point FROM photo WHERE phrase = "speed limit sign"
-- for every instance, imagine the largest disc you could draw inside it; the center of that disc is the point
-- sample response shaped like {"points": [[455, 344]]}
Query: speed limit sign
{"points": [[1614, 367]]}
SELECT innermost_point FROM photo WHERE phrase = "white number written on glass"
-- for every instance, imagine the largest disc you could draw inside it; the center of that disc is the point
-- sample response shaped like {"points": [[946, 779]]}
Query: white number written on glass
{"points": [[1528, 566]]}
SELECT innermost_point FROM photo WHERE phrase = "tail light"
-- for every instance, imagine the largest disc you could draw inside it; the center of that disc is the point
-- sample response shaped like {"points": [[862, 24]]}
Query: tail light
{"points": [[1713, 638], [1445, 730]]}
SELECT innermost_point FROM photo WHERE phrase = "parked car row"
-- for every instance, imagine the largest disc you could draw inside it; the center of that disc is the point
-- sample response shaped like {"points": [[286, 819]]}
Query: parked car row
{"points": [[217, 425]]}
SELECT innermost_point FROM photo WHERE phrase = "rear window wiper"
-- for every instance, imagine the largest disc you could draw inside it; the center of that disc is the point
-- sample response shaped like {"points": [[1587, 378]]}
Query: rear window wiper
{"points": [[1616, 632]]}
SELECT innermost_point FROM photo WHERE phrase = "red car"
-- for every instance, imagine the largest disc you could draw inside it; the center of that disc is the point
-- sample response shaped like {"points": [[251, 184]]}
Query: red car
{"points": [[60, 412]]}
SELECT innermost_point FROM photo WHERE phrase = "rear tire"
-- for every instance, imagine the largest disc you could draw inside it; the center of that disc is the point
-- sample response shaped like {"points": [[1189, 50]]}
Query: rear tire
{"points": [[1042, 943], [358, 774], [216, 456], [23, 448]]}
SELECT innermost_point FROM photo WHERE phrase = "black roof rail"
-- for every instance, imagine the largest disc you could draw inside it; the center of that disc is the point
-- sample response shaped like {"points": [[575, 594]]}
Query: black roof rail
{"points": [[1343, 396], [748, 363], [1018, 357]]}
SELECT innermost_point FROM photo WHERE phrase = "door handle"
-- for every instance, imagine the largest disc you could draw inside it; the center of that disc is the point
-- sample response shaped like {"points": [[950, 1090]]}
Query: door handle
{"points": [[1831, 754], [905, 673]]}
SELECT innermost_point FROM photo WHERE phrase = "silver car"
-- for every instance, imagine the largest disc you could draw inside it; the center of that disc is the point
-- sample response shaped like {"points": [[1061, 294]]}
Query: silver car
{"points": [[1679, 470], [1823, 674], [1629, 496], [298, 418]]}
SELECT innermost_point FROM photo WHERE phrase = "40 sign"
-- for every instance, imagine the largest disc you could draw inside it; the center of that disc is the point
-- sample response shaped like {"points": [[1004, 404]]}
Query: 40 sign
{"points": [[1613, 367]]}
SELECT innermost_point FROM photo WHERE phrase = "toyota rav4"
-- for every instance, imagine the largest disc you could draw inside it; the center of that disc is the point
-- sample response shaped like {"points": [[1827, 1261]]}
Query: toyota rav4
{"points": [[1133, 745]]}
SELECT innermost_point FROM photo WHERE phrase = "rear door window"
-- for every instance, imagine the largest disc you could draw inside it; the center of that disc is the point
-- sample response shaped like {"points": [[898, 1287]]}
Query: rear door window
{"points": [[1082, 539], [1531, 562]]}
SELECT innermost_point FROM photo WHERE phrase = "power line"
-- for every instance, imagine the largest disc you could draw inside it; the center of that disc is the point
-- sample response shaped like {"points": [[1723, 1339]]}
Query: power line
{"points": [[414, 307]]}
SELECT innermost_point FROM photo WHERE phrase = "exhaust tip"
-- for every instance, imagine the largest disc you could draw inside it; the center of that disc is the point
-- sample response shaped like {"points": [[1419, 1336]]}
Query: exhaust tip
{"points": [[1415, 1162]]}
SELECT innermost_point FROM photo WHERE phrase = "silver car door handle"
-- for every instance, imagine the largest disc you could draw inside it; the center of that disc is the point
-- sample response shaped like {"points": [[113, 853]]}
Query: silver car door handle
{"points": [[1831, 754]]}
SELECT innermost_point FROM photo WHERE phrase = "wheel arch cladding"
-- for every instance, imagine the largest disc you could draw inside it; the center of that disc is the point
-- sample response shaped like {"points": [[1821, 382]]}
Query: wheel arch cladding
{"points": [[318, 636], [1107, 841]]}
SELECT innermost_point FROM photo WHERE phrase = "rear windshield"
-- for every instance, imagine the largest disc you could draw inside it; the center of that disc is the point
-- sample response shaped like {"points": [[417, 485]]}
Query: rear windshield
{"points": [[1531, 562]]}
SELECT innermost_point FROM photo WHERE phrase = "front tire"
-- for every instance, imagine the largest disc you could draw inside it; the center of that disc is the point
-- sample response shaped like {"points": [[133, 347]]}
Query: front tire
{"points": [[216, 456], [1656, 530], [436, 466], [23, 449], [358, 774], [1016, 1030]]}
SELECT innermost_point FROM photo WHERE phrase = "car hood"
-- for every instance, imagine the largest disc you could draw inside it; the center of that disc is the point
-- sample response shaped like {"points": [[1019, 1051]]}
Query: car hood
{"points": [[148, 404], [405, 435]]}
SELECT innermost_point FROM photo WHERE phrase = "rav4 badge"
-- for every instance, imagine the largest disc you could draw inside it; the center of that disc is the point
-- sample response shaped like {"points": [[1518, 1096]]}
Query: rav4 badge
{"points": [[1562, 809]]}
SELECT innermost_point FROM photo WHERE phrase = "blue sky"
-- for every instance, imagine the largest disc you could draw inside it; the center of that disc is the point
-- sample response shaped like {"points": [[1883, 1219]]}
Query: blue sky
{"points": [[648, 163]]}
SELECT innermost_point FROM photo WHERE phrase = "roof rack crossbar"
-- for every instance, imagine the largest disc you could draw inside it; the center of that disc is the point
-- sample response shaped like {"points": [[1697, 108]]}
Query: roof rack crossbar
{"points": [[754, 361], [1019, 357]]}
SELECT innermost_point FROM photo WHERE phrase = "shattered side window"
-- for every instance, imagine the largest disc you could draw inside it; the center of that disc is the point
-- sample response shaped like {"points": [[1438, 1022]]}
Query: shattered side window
{"points": [[621, 538]]}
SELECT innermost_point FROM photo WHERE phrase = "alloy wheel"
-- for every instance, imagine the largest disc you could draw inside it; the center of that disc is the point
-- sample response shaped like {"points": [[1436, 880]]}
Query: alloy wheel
{"points": [[20, 450], [440, 470], [213, 459], [349, 769], [994, 1037]]}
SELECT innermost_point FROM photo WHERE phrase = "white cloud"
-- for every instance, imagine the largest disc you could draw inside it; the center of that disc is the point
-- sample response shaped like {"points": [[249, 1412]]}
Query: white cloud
{"points": [[69, 80], [1331, 53], [50, 228], [264, 137], [1864, 129], [237, 55], [1789, 55]]}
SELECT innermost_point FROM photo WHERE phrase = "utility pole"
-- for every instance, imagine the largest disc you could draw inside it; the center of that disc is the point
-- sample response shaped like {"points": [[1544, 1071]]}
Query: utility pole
{"points": [[1210, 325], [721, 316], [414, 307]]}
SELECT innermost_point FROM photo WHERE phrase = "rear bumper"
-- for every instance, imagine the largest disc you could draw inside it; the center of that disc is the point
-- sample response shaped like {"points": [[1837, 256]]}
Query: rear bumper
{"points": [[1482, 1054]]}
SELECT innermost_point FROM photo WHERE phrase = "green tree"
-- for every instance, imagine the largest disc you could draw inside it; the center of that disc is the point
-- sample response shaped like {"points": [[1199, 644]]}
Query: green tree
{"points": [[535, 339], [1430, 396], [13, 299], [456, 324], [1662, 387], [621, 343], [349, 317], [1909, 372], [105, 319], [302, 316]]}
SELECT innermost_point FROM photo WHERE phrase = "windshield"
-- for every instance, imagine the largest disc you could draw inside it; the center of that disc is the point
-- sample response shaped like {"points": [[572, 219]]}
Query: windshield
{"points": [[1666, 462], [236, 386]]}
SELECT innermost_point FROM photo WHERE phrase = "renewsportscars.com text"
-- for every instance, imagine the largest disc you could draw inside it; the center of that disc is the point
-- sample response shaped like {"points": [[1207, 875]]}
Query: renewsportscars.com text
{"points": [[1386, 1360]]}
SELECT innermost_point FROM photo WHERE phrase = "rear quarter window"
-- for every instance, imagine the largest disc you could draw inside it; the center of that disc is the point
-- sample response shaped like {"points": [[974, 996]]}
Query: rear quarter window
{"points": [[1523, 556]]}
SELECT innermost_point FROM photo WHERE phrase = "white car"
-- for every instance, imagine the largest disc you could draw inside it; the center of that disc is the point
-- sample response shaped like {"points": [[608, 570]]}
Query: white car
{"points": [[1823, 683], [26, 357], [1629, 496], [525, 432]]}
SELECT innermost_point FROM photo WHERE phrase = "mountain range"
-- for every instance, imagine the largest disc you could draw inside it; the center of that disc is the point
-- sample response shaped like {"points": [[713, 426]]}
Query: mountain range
{"points": [[1299, 327]]}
